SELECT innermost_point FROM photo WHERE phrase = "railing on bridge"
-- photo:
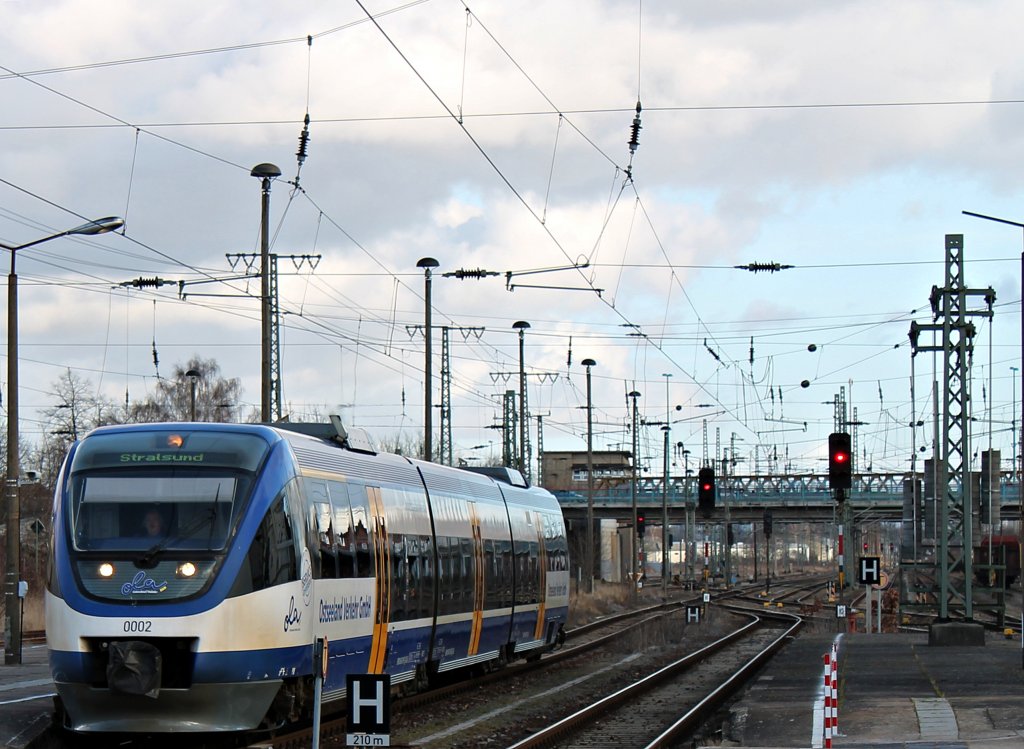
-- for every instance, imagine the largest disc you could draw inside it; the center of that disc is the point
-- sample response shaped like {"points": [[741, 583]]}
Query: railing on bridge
{"points": [[874, 488]]}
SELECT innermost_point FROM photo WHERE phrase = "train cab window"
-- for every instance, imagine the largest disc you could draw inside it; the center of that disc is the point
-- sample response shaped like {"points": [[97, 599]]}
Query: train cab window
{"points": [[130, 511], [197, 481]]}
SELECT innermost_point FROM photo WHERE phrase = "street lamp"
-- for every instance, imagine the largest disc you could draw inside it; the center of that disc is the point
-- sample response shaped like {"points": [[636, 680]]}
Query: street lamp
{"points": [[1013, 421], [193, 375], [521, 326], [265, 173], [427, 264], [12, 617], [666, 565], [1016, 446], [588, 363]]}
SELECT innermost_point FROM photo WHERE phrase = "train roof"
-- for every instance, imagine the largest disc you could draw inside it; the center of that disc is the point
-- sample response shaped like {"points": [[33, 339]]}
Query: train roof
{"points": [[363, 457]]}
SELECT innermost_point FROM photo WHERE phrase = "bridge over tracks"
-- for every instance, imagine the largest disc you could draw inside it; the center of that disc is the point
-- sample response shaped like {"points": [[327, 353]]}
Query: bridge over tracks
{"points": [[874, 496]]}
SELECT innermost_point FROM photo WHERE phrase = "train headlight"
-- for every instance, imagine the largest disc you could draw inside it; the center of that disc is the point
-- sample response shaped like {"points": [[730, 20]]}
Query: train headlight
{"points": [[186, 569], [106, 569]]}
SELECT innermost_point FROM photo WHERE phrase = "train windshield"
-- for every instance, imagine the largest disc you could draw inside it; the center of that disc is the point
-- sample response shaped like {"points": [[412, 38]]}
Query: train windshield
{"points": [[161, 490]]}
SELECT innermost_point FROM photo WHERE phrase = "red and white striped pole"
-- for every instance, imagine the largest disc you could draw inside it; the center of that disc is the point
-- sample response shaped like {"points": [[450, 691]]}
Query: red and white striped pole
{"points": [[835, 689], [828, 700]]}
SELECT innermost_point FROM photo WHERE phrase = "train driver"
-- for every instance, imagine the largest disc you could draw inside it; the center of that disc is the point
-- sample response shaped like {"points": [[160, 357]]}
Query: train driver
{"points": [[153, 523]]}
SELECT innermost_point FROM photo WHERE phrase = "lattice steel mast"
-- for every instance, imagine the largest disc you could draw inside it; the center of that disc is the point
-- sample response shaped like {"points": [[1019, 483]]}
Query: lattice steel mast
{"points": [[955, 523]]}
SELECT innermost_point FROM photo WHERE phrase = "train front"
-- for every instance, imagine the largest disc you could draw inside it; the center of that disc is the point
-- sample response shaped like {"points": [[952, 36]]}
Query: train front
{"points": [[159, 589]]}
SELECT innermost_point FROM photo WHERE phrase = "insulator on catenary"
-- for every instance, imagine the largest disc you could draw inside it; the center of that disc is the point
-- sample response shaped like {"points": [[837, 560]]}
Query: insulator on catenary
{"points": [[142, 283], [634, 136], [470, 273], [303, 141]]}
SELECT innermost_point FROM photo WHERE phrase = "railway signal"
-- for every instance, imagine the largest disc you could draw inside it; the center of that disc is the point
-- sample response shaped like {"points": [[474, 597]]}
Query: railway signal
{"points": [[706, 490], [640, 523], [839, 461]]}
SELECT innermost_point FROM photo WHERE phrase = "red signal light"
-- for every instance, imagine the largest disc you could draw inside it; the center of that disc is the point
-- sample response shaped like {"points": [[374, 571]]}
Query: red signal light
{"points": [[839, 460], [706, 490]]}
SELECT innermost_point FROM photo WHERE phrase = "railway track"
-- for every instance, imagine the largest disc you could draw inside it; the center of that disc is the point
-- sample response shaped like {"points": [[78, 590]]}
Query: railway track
{"points": [[667, 705], [475, 710], [416, 714], [640, 639]]}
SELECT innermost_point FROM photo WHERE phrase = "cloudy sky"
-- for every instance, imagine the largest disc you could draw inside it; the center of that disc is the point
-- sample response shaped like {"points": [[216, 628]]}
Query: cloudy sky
{"points": [[843, 139]]}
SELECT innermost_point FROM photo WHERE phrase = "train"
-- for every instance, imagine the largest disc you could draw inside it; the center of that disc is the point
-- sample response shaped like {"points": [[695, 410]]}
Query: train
{"points": [[1005, 551], [194, 568]]}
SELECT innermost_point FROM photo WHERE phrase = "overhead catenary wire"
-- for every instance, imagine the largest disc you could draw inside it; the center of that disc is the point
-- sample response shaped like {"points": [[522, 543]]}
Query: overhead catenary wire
{"points": [[303, 307]]}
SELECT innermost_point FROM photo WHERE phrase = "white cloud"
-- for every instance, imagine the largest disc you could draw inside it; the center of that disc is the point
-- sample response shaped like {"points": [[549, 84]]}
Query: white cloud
{"points": [[733, 167]]}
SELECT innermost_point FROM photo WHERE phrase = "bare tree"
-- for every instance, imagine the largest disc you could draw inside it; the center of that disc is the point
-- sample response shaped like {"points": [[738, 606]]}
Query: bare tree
{"points": [[403, 443], [78, 409], [216, 397]]}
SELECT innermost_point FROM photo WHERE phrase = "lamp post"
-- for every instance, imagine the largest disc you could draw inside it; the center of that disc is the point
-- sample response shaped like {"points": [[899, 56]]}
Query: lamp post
{"points": [[265, 173], [632, 490], [665, 565], [1016, 446], [12, 617], [1013, 421], [524, 414], [588, 363], [192, 375], [427, 264]]}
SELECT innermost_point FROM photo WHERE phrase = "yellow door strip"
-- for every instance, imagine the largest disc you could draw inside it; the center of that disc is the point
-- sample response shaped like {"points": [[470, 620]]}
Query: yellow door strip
{"points": [[478, 581], [382, 568]]}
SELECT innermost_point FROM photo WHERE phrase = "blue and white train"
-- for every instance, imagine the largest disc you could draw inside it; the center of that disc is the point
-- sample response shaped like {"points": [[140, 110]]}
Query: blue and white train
{"points": [[194, 566]]}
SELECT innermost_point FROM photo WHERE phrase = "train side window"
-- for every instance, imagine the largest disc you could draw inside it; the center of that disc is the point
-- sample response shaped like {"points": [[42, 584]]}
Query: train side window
{"points": [[467, 564], [362, 528], [321, 520], [448, 558], [399, 590], [426, 579], [441, 547], [534, 572], [343, 529], [413, 576], [520, 572], [491, 576], [271, 558], [556, 545]]}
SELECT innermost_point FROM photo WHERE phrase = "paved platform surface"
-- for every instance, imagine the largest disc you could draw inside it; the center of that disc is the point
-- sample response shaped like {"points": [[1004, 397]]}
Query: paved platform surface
{"points": [[26, 697], [895, 691]]}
